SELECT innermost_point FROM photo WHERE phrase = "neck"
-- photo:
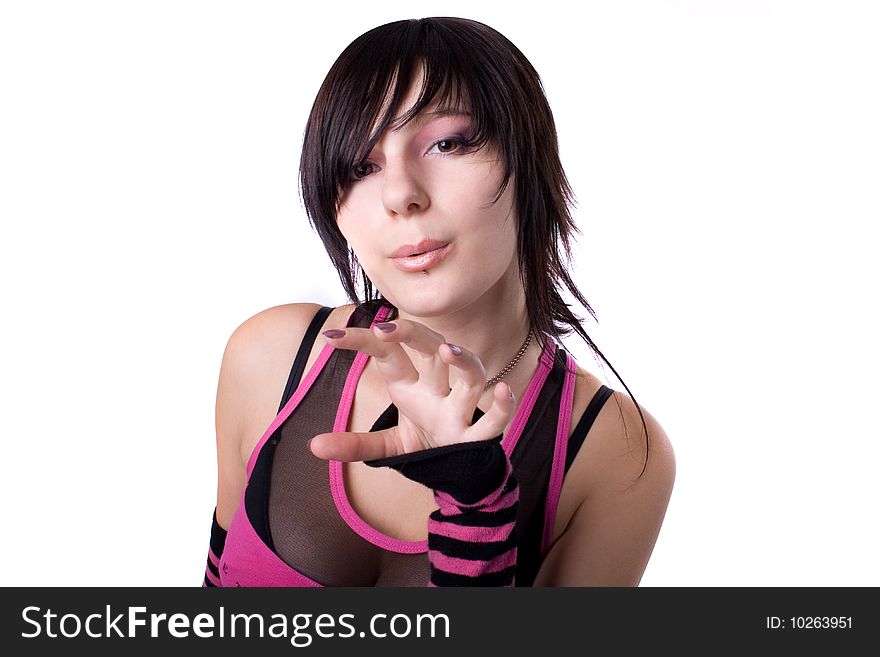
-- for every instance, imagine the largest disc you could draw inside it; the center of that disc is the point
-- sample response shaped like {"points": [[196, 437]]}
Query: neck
{"points": [[494, 328]]}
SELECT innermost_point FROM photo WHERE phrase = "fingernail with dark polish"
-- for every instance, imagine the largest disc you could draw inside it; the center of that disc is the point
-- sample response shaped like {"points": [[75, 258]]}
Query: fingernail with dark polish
{"points": [[387, 327], [454, 349], [334, 333]]}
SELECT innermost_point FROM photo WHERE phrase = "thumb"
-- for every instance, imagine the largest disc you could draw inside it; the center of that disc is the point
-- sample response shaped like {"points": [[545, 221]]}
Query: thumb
{"points": [[354, 446]]}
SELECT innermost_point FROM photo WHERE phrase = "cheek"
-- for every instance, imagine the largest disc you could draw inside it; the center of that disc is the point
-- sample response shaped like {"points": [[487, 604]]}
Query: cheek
{"points": [[347, 221], [360, 239], [353, 217], [496, 218]]}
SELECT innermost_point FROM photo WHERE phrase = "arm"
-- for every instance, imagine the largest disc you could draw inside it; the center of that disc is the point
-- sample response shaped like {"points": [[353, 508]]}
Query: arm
{"points": [[215, 551], [253, 372], [611, 535], [231, 478], [430, 440]]}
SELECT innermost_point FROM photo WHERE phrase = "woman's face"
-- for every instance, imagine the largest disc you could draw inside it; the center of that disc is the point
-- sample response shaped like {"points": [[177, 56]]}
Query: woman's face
{"points": [[422, 183]]}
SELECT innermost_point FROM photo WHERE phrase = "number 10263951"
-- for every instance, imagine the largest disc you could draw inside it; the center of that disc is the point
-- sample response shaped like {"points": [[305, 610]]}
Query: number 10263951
{"points": [[809, 623]]}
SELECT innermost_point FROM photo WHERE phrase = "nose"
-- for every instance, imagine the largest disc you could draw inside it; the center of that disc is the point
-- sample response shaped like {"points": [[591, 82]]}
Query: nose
{"points": [[403, 191]]}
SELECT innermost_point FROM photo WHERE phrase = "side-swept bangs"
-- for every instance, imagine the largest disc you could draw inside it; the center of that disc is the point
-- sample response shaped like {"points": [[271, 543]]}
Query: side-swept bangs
{"points": [[465, 65], [469, 66]]}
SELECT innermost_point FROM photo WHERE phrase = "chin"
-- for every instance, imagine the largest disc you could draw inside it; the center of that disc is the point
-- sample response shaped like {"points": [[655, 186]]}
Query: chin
{"points": [[432, 301]]}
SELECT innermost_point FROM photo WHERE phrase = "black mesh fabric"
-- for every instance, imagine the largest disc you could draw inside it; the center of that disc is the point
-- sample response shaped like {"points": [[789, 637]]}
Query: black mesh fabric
{"points": [[532, 460], [291, 506]]}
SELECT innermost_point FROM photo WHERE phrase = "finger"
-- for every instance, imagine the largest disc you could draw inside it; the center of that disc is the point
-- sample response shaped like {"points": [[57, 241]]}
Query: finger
{"points": [[394, 364], [422, 344], [471, 375], [496, 419], [354, 446]]}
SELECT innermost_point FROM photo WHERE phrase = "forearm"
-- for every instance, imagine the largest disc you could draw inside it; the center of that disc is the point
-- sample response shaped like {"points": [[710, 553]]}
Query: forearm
{"points": [[471, 536], [475, 544]]}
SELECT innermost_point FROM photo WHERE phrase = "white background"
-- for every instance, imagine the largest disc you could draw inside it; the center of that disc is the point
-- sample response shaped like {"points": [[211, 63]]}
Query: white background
{"points": [[725, 159]]}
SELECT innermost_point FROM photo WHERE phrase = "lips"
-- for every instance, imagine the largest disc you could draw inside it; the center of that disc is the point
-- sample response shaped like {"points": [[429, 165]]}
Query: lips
{"points": [[415, 249], [421, 261]]}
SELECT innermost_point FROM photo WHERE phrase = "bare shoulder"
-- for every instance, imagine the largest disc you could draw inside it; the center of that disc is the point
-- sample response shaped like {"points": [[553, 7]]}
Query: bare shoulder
{"points": [[258, 359], [263, 345], [619, 448], [253, 374], [622, 480]]}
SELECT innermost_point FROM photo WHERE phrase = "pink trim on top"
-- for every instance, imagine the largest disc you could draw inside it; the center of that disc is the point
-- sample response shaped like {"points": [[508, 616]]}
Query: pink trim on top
{"points": [[545, 364], [291, 404], [248, 561], [558, 470], [337, 483]]}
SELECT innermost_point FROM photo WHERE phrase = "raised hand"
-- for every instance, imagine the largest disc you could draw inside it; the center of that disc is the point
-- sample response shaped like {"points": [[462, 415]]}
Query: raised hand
{"points": [[414, 361]]}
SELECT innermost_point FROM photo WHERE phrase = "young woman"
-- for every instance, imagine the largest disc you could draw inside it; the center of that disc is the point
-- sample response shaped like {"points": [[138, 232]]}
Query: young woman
{"points": [[434, 431]]}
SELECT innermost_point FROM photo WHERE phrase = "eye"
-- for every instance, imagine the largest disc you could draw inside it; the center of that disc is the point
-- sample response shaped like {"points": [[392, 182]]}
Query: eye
{"points": [[445, 144], [355, 175]]}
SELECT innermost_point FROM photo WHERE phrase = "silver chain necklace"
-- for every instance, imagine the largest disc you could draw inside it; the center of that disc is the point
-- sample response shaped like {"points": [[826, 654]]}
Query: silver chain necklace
{"points": [[495, 379]]}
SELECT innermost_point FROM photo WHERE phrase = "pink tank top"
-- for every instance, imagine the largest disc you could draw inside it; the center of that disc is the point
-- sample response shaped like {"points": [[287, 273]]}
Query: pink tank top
{"points": [[295, 525]]}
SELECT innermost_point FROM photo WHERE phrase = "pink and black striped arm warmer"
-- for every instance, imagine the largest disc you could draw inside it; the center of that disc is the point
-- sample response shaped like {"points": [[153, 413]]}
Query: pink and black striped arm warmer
{"points": [[471, 536], [215, 551]]}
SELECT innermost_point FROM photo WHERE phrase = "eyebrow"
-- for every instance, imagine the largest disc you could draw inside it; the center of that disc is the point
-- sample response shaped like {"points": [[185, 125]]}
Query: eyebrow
{"points": [[429, 115], [424, 116]]}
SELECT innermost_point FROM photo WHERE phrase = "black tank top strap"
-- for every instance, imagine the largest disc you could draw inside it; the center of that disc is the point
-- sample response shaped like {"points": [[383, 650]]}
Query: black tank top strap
{"points": [[586, 421], [302, 355]]}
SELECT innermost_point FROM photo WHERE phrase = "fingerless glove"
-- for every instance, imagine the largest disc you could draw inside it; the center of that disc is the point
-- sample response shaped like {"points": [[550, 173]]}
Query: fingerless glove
{"points": [[472, 535], [215, 551]]}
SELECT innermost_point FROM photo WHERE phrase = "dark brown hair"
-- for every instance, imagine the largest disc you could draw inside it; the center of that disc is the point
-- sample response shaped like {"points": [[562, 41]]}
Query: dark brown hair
{"points": [[465, 62]]}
